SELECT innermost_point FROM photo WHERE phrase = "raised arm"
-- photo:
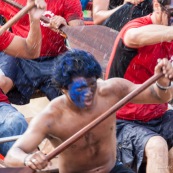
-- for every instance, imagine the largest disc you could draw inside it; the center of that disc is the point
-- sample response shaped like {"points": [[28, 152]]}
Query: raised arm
{"points": [[29, 47], [161, 91], [148, 35], [101, 9]]}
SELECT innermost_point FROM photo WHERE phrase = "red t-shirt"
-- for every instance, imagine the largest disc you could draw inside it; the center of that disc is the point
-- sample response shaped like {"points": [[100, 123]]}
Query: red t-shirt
{"points": [[5, 40], [137, 65], [52, 42]]}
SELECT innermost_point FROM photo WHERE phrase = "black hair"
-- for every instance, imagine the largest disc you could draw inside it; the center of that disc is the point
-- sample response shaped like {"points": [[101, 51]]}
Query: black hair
{"points": [[75, 63], [164, 2]]}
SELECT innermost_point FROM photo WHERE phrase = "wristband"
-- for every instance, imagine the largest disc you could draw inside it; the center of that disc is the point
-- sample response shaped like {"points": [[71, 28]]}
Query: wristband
{"points": [[163, 87]]}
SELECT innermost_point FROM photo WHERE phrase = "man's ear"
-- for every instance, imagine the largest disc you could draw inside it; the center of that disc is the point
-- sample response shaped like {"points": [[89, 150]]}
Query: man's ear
{"points": [[64, 91]]}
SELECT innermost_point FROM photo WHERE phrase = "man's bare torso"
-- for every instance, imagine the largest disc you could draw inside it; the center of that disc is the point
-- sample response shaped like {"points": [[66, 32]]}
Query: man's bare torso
{"points": [[96, 150]]}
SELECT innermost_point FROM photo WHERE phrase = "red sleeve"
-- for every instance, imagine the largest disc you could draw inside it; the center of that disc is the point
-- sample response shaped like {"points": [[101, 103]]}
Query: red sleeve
{"points": [[5, 39], [72, 10]]}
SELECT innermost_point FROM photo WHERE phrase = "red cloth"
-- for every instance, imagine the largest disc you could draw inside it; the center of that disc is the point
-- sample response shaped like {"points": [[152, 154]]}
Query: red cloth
{"points": [[3, 97], [1, 157], [52, 43], [140, 68], [5, 40]]}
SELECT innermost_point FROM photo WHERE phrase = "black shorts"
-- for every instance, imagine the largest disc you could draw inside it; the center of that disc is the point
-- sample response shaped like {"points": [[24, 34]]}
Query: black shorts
{"points": [[119, 168], [29, 75], [132, 137]]}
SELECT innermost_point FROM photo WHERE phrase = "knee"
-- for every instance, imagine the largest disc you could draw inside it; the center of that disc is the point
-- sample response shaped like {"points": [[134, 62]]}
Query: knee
{"points": [[156, 146], [5, 83], [18, 123]]}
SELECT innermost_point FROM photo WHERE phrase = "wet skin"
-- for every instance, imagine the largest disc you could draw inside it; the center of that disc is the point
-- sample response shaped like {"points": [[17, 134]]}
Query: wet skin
{"points": [[82, 90]]}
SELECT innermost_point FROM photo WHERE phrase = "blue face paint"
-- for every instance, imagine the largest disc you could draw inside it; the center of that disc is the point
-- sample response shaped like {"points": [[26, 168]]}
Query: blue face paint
{"points": [[77, 91]]}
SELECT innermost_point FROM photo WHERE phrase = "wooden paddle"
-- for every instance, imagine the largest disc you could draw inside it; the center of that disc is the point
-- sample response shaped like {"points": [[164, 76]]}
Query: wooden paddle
{"points": [[9, 139], [13, 20], [88, 127], [96, 39]]}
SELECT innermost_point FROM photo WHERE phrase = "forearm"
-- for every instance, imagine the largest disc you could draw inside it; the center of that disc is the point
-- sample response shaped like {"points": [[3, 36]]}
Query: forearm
{"points": [[164, 92], [100, 16], [13, 159], [33, 41], [148, 35]]}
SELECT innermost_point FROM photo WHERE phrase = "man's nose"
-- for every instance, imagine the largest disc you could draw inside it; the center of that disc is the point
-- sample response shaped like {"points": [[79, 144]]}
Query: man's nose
{"points": [[88, 92]]}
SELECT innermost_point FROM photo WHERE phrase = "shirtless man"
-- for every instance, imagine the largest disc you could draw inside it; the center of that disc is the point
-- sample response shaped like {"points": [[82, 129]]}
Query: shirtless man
{"points": [[85, 98], [25, 47]]}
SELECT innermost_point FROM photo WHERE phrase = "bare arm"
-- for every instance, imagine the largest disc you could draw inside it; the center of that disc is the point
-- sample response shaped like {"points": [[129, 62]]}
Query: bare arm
{"points": [[153, 94], [30, 47], [24, 150], [148, 35], [101, 12], [26, 145]]}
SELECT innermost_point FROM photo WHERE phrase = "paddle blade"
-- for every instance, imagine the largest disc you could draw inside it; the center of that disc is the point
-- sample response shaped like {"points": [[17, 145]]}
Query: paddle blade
{"points": [[16, 170], [96, 39]]}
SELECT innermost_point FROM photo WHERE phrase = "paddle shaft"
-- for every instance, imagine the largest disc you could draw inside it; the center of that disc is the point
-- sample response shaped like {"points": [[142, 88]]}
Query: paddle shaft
{"points": [[13, 20], [9, 139]]}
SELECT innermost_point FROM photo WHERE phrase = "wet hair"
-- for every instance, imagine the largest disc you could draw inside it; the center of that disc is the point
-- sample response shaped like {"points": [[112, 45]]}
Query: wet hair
{"points": [[164, 2], [75, 63]]}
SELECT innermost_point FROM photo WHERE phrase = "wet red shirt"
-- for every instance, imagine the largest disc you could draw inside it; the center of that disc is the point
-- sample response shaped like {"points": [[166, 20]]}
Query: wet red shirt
{"points": [[5, 40], [52, 43], [137, 65]]}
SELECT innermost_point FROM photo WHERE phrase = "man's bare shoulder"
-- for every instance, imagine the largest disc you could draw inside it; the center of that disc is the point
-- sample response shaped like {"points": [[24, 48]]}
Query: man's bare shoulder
{"points": [[52, 111], [56, 106], [113, 86]]}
